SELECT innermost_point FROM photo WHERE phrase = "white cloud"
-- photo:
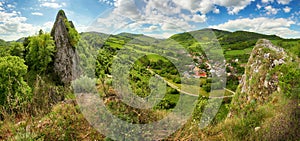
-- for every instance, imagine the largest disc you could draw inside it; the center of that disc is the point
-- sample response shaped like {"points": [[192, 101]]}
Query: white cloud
{"points": [[1, 6], [271, 11], [37, 14], [284, 1], [126, 8], [11, 6], [14, 26], [164, 35], [47, 26], [199, 18], [267, 1], [156, 12], [279, 26], [258, 6], [287, 9], [165, 7], [234, 6], [53, 5], [216, 10], [151, 28], [155, 15], [205, 6], [107, 2]]}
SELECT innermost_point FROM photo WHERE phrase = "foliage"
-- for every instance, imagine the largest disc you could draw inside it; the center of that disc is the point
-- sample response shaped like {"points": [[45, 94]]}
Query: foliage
{"points": [[74, 36], [45, 95], [15, 93], [289, 83], [17, 49], [40, 52], [13, 49], [84, 84]]}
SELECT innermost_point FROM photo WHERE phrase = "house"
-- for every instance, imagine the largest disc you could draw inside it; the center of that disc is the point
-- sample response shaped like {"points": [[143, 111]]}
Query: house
{"points": [[203, 75], [199, 73]]}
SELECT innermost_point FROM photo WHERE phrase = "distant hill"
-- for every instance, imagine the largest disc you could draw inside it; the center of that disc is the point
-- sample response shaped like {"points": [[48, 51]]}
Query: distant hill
{"points": [[3, 43]]}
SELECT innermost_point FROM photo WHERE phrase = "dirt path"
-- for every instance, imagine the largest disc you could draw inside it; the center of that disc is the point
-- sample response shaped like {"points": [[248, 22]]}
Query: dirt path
{"points": [[187, 93]]}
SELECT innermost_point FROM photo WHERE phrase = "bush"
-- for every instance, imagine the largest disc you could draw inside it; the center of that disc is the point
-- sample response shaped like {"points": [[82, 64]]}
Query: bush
{"points": [[289, 82], [40, 52], [15, 92], [84, 84]]}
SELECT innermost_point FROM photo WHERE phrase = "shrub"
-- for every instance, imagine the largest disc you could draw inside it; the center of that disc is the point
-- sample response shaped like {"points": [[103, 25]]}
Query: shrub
{"points": [[84, 84], [15, 93]]}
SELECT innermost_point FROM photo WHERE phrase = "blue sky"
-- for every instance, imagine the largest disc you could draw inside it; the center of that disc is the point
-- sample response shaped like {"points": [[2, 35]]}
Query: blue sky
{"points": [[157, 18]]}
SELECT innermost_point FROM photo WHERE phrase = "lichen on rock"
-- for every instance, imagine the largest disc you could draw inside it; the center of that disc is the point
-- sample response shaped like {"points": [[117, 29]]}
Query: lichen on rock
{"points": [[258, 82]]}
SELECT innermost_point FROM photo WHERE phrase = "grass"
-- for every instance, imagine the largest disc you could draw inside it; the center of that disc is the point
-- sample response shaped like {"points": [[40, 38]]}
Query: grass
{"points": [[239, 52]]}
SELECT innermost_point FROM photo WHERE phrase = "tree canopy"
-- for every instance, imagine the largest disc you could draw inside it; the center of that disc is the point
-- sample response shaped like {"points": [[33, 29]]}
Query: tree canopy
{"points": [[41, 48]]}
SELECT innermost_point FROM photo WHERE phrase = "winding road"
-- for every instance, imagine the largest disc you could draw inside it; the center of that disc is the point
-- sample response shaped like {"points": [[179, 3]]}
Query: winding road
{"points": [[187, 93]]}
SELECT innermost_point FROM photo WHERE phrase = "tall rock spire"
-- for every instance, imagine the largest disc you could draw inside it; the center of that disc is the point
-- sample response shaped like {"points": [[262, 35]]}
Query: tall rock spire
{"points": [[65, 58]]}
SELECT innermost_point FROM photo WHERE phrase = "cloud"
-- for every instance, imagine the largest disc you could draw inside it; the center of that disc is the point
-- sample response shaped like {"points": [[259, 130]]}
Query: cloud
{"points": [[37, 14], [11, 6], [279, 26], [284, 2], [126, 8], [216, 10], [14, 26], [1, 6], [53, 5], [287, 9], [199, 18], [155, 12], [270, 10], [151, 28], [107, 2], [258, 6], [234, 6], [154, 15], [165, 7], [206, 6], [164, 35], [267, 1]]}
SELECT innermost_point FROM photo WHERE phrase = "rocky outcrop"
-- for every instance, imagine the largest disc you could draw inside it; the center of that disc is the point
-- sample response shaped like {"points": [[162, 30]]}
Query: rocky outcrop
{"points": [[260, 79], [66, 58]]}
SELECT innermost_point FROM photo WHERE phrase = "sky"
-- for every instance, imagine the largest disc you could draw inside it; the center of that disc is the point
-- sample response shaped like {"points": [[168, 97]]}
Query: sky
{"points": [[157, 18]]}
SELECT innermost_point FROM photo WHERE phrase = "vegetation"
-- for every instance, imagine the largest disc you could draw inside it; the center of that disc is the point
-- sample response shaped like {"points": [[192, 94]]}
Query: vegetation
{"points": [[40, 52], [15, 93], [73, 34]]}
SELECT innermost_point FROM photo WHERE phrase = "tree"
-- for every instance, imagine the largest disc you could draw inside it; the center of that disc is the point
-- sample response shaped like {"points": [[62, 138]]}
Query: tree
{"points": [[40, 51], [17, 49], [14, 91], [103, 65]]}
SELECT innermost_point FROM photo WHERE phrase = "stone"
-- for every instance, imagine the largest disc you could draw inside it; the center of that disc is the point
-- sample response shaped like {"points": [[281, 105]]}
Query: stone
{"points": [[65, 58], [257, 128]]}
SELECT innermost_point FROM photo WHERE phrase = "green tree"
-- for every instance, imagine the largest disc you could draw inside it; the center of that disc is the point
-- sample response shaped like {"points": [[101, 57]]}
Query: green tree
{"points": [[15, 94], [40, 51], [17, 49]]}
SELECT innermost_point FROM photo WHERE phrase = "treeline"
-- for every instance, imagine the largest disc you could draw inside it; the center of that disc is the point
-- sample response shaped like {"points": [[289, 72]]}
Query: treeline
{"points": [[28, 82]]}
